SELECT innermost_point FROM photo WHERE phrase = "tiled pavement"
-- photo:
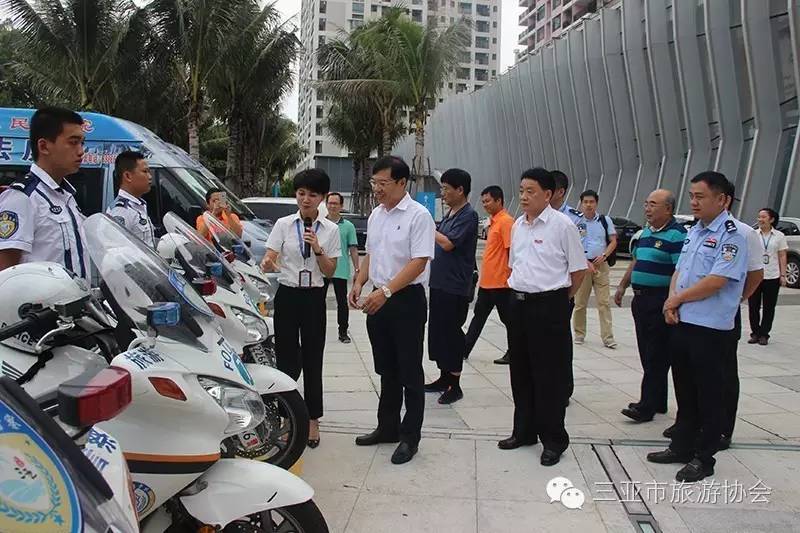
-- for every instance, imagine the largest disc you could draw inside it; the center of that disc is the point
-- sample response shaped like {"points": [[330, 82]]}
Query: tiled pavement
{"points": [[461, 482]]}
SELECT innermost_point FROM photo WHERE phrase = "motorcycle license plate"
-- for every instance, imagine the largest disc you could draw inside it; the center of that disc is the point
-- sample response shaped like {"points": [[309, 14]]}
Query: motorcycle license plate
{"points": [[250, 440], [257, 353]]}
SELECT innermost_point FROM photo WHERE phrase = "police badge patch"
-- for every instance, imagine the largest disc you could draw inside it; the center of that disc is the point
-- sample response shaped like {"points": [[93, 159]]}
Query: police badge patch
{"points": [[729, 252], [9, 222]]}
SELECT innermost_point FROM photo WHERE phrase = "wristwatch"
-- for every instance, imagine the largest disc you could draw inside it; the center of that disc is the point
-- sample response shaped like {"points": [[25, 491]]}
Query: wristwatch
{"points": [[386, 292]]}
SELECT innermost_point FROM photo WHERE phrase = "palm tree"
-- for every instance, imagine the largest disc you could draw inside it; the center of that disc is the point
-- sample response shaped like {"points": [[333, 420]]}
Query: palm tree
{"points": [[249, 83], [72, 49], [196, 35]]}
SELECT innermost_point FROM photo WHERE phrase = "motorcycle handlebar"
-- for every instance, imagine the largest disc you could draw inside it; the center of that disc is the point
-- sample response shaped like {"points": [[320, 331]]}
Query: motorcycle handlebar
{"points": [[32, 319]]}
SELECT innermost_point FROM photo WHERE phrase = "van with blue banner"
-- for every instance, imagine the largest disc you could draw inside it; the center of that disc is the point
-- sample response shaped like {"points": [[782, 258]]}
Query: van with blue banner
{"points": [[179, 182]]}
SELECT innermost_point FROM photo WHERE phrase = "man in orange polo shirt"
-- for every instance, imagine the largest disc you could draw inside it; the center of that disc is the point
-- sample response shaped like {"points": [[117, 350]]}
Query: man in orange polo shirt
{"points": [[217, 202], [493, 288]]}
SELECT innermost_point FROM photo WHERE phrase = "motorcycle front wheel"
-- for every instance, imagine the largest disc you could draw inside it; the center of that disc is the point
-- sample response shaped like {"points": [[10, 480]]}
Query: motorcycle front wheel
{"points": [[282, 437], [301, 518]]}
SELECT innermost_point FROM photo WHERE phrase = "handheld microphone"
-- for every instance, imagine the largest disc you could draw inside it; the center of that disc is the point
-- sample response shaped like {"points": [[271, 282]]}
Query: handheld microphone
{"points": [[307, 248]]}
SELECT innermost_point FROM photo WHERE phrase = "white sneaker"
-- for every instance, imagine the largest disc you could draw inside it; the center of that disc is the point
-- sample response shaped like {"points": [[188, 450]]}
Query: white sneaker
{"points": [[579, 340], [611, 345]]}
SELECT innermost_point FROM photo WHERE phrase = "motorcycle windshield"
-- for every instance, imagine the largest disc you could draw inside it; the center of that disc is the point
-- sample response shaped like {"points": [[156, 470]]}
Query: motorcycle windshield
{"points": [[224, 239], [136, 277], [193, 252]]}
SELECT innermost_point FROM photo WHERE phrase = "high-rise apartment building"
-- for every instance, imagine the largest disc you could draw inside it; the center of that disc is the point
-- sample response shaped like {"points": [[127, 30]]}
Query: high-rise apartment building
{"points": [[544, 20], [324, 20]]}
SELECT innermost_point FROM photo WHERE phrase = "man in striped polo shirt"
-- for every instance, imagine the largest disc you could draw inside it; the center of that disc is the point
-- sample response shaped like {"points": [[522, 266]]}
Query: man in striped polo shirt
{"points": [[654, 259]]}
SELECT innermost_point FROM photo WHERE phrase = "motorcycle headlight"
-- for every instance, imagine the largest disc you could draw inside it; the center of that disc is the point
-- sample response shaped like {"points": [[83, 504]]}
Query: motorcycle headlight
{"points": [[244, 407], [257, 329]]}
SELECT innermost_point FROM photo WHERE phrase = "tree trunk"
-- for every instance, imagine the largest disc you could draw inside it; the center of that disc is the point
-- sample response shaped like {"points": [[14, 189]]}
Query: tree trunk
{"points": [[419, 142], [354, 201], [233, 164], [194, 130], [248, 185], [366, 188]]}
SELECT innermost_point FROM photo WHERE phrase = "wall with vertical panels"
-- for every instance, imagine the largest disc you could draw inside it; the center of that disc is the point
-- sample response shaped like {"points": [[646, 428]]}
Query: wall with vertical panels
{"points": [[643, 94]]}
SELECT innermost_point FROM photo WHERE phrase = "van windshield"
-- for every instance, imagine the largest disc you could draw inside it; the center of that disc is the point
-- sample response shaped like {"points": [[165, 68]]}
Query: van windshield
{"points": [[199, 184]]}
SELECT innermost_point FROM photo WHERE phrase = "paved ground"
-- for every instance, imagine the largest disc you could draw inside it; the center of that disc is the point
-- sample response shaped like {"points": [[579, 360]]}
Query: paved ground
{"points": [[461, 482]]}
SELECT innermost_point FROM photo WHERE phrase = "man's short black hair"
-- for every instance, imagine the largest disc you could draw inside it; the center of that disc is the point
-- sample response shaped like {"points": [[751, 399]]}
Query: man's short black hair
{"points": [[590, 192], [542, 176], [455, 177], [126, 162], [211, 191], [48, 123], [341, 198], [399, 167], [561, 179], [717, 182], [313, 179], [495, 191], [773, 215]]}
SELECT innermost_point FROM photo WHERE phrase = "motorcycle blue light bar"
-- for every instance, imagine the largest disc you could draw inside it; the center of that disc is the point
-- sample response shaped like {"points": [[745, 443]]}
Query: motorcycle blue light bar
{"points": [[214, 269], [163, 314], [238, 249]]}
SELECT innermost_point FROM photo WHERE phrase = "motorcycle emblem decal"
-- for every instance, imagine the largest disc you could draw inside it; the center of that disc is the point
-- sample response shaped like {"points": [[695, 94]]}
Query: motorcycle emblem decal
{"points": [[144, 357], [9, 222], [36, 492], [231, 361], [145, 497]]}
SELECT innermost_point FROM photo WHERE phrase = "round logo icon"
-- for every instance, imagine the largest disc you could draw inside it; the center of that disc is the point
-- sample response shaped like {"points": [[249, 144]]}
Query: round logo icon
{"points": [[36, 492], [144, 496]]}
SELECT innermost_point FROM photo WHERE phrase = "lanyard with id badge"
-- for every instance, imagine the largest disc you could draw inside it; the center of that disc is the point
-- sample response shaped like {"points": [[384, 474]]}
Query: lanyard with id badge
{"points": [[766, 247], [304, 276]]}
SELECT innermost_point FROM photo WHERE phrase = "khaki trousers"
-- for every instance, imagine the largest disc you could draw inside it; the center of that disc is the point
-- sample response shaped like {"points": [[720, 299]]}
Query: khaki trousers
{"points": [[598, 280]]}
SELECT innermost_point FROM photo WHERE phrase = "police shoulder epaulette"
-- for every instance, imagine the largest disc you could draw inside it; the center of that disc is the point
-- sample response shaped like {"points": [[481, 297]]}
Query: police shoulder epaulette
{"points": [[575, 212], [26, 187], [121, 202], [730, 226]]}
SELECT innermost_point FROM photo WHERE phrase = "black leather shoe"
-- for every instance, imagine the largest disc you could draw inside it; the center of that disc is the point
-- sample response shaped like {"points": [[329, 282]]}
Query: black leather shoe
{"points": [[440, 385], [694, 471], [752, 340], [376, 437], [670, 431], [763, 341], [505, 360], [512, 443], [638, 405], [668, 457], [550, 458], [637, 414], [404, 453], [724, 443], [451, 395], [344, 338]]}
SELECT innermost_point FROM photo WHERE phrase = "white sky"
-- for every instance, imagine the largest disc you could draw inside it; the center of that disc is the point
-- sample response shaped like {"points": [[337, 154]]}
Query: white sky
{"points": [[509, 32]]}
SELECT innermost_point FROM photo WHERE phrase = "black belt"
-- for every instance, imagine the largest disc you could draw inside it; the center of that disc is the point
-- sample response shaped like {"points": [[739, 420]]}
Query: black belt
{"points": [[655, 291], [533, 296]]}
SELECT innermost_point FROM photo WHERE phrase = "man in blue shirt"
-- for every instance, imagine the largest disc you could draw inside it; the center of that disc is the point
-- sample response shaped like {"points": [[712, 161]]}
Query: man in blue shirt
{"points": [[705, 293], [451, 285], [599, 240]]}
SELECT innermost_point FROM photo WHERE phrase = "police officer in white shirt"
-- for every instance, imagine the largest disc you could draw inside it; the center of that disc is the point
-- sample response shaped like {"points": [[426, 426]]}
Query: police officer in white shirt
{"points": [[400, 245], [547, 267], [132, 174], [307, 245], [39, 217]]}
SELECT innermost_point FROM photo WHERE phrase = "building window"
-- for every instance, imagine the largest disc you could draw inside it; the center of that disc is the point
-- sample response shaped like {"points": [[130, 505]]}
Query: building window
{"points": [[463, 73], [556, 22], [322, 40], [494, 40], [481, 42], [461, 87], [319, 111], [556, 3], [494, 24], [541, 13], [416, 15], [481, 75], [483, 10], [358, 7], [494, 57], [465, 56], [482, 26], [323, 6], [374, 9], [318, 147], [465, 8], [482, 58], [319, 129], [321, 25]]}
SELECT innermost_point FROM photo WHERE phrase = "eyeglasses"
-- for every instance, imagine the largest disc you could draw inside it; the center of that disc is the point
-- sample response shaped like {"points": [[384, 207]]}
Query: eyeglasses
{"points": [[380, 184]]}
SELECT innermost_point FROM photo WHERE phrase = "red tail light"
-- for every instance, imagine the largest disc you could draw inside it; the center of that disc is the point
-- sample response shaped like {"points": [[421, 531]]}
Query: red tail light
{"points": [[206, 287], [216, 309], [94, 396]]}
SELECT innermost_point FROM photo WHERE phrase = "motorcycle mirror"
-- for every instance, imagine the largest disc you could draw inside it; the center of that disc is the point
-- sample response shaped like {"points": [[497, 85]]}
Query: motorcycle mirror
{"points": [[94, 396], [163, 314], [206, 287]]}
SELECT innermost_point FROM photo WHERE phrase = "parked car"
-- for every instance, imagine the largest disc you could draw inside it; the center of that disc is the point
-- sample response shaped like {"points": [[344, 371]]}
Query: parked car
{"points": [[360, 222], [790, 226], [626, 229], [483, 228]]}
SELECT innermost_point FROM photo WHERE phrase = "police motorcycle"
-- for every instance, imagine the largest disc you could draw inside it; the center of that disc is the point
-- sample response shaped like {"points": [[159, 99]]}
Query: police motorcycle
{"points": [[46, 483], [191, 393], [281, 438], [239, 254]]}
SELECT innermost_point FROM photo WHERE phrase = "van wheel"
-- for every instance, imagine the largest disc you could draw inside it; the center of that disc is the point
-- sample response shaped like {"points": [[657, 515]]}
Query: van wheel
{"points": [[793, 272]]}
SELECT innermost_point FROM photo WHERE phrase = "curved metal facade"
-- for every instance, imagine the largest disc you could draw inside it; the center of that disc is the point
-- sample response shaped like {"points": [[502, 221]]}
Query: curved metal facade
{"points": [[642, 94]]}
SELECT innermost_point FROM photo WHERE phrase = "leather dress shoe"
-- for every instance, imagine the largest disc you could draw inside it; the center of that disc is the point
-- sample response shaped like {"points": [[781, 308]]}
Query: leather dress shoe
{"points": [[404, 453], [638, 405], [637, 414], [694, 471], [376, 437], [668, 457], [550, 458], [724, 443], [512, 443], [670, 431], [505, 360]]}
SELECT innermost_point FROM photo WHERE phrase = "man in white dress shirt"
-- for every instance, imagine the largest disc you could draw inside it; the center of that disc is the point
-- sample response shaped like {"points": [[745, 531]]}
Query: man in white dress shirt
{"points": [[400, 246], [547, 267]]}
